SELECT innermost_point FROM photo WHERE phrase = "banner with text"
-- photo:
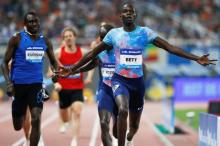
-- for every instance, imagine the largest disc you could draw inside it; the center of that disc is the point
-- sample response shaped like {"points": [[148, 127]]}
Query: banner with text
{"points": [[198, 89]]}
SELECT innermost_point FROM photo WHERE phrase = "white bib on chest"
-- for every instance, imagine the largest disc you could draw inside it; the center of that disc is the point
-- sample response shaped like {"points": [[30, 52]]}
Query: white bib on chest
{"points": [[107, 72], [34, 55], [131, 57]]}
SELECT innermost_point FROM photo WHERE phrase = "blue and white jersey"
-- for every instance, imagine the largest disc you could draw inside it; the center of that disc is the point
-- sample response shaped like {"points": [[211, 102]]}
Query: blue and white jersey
{"points": [[27, 63], [107, 59], [128, 48]]}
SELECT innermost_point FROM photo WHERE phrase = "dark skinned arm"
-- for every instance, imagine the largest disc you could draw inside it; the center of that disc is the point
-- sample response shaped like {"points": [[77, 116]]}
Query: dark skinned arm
{"points": [[52, 59], [89, 66], [203, 60], [10, 51], [51, 56], [87, 57]]}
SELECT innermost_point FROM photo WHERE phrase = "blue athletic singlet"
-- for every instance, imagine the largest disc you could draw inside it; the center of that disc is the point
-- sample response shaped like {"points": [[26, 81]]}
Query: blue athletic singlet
{"points": [[107, 59], [129, 48], [27, 63], [105, 95]]}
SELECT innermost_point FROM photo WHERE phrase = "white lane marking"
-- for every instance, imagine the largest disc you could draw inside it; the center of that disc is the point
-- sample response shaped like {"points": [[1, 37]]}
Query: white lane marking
{"points": [[114, 141], [95, 130], [159, 134], [44, 124]]}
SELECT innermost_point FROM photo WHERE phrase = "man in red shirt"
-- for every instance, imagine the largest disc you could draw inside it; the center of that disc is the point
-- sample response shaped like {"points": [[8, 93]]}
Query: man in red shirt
{"points": [[70, 88]]}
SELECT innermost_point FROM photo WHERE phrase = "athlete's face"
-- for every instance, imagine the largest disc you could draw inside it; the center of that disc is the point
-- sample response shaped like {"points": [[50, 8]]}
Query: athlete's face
{"points": [[128, 14], [69, 37], [32, 24]]}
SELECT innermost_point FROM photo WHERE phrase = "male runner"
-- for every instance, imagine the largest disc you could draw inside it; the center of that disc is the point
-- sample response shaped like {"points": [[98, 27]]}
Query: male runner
{"points": [[24, 81], [107, 107], [128, 43], [70, 88]]}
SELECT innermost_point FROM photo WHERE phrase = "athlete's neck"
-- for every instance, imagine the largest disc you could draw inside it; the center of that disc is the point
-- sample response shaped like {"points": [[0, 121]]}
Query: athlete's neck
{"points": [[71, 48], [33, 36], [129, 27]]}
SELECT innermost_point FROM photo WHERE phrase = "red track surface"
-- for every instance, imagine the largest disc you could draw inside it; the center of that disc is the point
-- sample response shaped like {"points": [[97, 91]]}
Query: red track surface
{"points": [[89, 134]]}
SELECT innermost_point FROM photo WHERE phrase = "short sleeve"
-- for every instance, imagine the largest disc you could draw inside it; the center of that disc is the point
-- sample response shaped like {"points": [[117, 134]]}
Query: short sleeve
{"points": [[108, 38], [151, 35]]}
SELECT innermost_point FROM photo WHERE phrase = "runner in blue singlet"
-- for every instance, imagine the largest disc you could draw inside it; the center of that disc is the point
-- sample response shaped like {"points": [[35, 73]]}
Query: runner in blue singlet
{"points": [[107, 107], [26, 49]]}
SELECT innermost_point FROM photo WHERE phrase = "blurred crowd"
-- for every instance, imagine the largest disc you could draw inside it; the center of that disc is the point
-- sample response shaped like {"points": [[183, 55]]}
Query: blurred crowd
{"points": [[192, 20], [187, 19]]}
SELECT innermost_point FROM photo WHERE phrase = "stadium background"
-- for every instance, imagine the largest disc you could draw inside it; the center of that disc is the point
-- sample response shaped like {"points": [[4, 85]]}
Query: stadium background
{"points": [[190, 24]]}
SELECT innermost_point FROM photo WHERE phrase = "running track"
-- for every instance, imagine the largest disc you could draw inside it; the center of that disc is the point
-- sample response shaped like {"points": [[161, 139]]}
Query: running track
{"points": [[89, 134]]}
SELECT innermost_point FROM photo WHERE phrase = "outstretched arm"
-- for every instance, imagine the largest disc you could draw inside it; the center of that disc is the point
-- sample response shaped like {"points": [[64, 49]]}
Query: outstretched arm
{"points": [[86, 58], [161, 43], [89, 66]]}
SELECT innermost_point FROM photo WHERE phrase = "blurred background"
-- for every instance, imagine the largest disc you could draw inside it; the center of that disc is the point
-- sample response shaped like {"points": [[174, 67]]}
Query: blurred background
{"points": [[192, 25]]}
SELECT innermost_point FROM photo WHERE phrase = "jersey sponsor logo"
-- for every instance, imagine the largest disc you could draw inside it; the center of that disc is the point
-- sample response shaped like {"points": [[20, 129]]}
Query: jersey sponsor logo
{"points": [[75, 76], [34, 55], [115, 87], [131, 51], [139, 108], [35, 48]]}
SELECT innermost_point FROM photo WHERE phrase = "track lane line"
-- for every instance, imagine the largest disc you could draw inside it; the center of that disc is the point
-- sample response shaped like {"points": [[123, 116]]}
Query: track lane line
{"points": [[95, 131], [45, 123], [158, 133]]}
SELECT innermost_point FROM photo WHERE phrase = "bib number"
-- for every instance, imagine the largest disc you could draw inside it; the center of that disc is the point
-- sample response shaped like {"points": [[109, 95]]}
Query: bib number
{"points": [[34, 55], [131, 58], [108, 70]]}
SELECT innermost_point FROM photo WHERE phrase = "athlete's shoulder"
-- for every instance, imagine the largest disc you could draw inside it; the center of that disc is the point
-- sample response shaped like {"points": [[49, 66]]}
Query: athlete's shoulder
{"points": [[46, 39], [145, 28], [114, 30], [150, 33], [117, 29], [149, 30], [16, 34], [15, 38]]}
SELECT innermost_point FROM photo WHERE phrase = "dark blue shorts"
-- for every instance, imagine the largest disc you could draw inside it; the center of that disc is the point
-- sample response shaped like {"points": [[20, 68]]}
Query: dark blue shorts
{"points": [[26, 95], [106, 100], [133, 88]]}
